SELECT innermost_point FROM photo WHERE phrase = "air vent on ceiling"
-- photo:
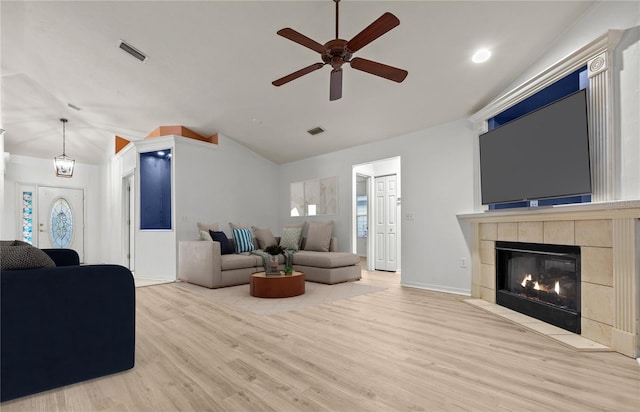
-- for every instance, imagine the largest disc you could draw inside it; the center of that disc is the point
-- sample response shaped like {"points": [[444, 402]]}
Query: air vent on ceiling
{"points": [[315, 131], [73, 106], [132, 51]]}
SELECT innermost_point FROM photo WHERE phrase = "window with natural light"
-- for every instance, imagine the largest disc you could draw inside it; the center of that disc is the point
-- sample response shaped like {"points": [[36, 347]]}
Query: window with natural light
{"points": [[361, 215]]}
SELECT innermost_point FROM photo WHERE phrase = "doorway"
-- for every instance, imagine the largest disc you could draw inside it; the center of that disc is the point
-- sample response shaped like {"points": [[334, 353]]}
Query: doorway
{"points": [[383, 228], [362, 215], [61, 219], [386, 223]]}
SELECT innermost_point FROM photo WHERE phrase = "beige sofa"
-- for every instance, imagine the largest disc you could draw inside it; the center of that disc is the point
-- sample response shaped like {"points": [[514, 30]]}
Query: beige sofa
{"points": [[200, 262]]}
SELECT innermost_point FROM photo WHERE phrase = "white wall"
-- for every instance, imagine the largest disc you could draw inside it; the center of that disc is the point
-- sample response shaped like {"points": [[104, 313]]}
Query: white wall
{"points": [[437, 183], [35, 171], [211, 184], [4, 216], [228, 183], [626, 78], [604, 16]]}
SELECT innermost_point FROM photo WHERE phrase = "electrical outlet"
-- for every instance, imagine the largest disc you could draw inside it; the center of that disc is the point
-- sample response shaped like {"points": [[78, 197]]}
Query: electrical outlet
{"points": [[463, 262], [409, 216]]}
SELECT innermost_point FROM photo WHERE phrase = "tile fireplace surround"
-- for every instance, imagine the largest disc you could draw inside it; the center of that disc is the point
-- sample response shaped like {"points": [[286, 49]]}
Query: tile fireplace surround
{"points": [[609, 238]]}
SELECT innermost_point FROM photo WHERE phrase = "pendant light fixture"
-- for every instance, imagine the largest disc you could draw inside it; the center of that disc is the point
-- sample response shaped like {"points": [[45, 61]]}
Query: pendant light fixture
{"points": [[63, 163]]}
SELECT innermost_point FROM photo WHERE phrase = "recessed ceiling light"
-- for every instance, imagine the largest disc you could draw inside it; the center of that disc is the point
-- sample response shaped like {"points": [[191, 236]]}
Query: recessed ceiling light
{"points": [[481, 56]]}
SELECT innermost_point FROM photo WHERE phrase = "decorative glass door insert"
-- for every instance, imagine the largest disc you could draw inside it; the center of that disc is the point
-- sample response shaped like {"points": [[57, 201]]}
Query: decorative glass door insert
{"points": [[61, 219], [61, 224]]}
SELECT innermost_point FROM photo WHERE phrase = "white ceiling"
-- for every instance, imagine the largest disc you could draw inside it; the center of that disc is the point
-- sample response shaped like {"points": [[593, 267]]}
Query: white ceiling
{"points": [[211, 64]]}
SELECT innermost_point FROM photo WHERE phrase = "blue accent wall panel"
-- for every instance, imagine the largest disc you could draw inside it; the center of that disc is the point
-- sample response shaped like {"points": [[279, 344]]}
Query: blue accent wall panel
{"points": [[155, 190]]}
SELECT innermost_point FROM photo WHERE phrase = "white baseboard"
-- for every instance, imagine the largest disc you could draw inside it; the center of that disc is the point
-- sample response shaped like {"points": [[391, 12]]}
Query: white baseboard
{"points": [[437, 288]]}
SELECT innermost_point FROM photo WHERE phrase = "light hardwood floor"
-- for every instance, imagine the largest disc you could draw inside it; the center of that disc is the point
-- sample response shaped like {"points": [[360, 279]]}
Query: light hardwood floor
{"points": [[399, 349]]}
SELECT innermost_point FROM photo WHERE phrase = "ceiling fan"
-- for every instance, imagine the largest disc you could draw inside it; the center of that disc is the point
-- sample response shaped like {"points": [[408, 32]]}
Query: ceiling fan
{"points": [[338, 51]]}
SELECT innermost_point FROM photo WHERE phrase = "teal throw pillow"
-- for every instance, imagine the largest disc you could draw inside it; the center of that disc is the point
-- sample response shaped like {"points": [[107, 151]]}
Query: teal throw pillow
{"points": [[290, 237], [244, 240]]}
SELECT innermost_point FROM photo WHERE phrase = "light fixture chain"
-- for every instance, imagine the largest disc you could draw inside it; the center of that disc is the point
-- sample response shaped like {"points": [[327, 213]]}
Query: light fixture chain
{"points": [[64, 123], [63, 163]]}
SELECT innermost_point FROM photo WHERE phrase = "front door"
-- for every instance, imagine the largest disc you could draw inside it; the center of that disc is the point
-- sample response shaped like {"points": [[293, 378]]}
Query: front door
{"points": [[386, 223], [61, 219]]}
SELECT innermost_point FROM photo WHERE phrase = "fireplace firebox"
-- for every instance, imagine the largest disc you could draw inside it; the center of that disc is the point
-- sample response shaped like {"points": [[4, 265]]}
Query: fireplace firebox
{"points": [[541, 281]]}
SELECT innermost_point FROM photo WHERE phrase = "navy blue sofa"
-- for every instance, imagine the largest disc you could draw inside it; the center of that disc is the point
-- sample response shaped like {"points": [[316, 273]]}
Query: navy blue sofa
{"points": [[64, 325]]}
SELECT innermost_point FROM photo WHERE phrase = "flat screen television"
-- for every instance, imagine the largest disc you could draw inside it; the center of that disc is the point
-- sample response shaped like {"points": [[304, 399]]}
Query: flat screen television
{"points": [[543, 154]]}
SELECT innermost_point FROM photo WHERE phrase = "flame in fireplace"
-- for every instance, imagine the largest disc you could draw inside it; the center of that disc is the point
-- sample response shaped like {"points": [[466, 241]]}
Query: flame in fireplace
{"points": [[528, 280]]}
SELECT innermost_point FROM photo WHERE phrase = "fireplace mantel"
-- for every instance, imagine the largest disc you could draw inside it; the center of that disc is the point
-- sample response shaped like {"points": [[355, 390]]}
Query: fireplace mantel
{"points": [[607, 210], [608, 234]]}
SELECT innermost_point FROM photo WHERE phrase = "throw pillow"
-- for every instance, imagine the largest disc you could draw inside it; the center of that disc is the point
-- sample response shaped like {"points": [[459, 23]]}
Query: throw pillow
{"points": [[207, 227], [21, 255], [301, 227], [290, 238], [225, 245], [204, 235], [243, 239], [237, 226], [319, 236], [264, 236]]}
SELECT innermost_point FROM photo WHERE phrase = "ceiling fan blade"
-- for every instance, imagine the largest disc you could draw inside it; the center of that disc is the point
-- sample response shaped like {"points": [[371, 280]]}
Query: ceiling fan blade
{"points": [[379, 69], [376, 29], [289, 33], [299, 73], [335, 85]]}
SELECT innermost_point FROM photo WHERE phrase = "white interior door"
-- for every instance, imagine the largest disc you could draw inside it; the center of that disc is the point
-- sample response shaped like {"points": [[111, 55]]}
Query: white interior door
{"points": [[386, 223], [61, 219]]}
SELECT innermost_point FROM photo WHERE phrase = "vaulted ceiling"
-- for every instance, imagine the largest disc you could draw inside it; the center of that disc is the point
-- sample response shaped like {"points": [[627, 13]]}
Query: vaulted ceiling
{"points": [[211, 63]]}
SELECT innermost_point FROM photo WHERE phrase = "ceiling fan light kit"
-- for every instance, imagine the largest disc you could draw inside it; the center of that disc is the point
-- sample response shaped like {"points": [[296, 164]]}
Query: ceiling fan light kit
{"points": [[338, 51]]}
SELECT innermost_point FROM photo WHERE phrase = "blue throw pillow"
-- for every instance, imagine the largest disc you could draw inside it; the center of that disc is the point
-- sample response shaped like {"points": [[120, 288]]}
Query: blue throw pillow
{"points": [[244, 240], [225, 245]]}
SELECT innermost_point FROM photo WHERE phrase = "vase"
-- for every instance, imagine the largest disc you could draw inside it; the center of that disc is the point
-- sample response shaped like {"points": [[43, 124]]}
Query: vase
{"points": [[273, 263]]}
